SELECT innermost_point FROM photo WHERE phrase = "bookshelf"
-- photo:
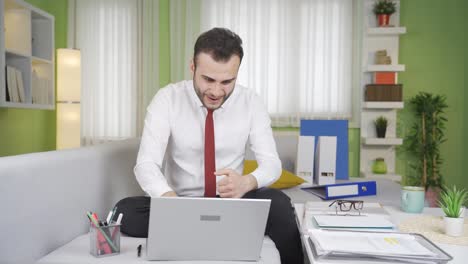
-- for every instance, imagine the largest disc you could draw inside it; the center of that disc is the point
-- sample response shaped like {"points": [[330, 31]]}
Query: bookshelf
{"points": [[27, 56], [374, 40]]}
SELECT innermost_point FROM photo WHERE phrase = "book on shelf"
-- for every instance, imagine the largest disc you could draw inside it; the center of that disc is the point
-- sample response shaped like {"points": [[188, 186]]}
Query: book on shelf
{"points": [[385, 78], [50, 93], [34, 87], [41, 90], [12, 84], [384, 92], [20, 85], [7, 93]]}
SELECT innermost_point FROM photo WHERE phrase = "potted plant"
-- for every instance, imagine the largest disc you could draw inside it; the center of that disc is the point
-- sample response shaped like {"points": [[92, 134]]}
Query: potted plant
{"points": [[424, 140], [383, 9], [451, 201], [381, 126]]}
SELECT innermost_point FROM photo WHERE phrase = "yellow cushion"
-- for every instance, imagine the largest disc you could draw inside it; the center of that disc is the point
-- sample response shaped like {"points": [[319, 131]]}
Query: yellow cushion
{"points": [[286, 180]]}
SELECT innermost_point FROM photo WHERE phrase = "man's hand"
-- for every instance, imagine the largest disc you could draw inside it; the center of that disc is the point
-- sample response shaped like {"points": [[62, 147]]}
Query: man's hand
{"points": [[234, 185], [169, 194]]}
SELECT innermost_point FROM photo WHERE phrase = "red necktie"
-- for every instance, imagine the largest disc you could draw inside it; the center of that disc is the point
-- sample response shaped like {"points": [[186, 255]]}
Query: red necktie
{"points": [[210, 163]]}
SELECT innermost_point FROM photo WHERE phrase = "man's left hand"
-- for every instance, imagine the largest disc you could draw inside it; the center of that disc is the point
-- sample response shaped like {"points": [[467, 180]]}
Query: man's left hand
{"points": [[234, 185]]}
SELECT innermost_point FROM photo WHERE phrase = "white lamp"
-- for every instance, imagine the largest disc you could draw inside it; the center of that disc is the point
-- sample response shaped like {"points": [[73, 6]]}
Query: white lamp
{"points": [[68, 98]]}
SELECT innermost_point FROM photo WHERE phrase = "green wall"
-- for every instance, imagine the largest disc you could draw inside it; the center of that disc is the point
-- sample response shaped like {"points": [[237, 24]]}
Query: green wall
{"points": [[464, 178], [27, 130], [434, 52]]}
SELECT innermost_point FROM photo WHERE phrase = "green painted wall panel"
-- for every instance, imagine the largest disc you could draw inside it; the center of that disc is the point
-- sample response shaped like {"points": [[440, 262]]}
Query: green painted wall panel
{"points": [[354, 138], [434, 52], [27, 130], [463, 179]]}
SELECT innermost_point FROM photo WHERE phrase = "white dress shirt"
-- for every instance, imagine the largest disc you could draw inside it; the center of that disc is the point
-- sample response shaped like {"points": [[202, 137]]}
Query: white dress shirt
{"points": [[174, 133]]}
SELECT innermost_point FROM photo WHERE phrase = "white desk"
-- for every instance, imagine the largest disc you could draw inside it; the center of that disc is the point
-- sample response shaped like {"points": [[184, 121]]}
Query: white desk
{"points": [[459, 253], [77, 252]]}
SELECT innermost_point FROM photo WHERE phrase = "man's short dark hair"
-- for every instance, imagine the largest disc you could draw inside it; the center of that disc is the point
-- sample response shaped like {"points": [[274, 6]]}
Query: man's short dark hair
{"points": [[220, 44]]}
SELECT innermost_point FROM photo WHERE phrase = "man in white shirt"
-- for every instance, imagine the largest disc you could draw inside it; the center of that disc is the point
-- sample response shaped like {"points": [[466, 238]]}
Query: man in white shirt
{"points": [[195, 136]]}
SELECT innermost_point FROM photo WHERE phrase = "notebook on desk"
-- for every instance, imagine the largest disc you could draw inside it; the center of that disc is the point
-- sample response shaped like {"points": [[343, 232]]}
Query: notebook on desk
{"points": [[182, 228]]}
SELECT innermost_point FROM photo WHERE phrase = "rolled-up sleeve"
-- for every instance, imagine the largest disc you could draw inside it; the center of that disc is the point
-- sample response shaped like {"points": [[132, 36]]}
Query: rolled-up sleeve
{"points": [[154, 140], [263, 145]]}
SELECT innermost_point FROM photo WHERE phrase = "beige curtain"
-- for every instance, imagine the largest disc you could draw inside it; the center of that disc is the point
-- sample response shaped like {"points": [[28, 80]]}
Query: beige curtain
{"points": [[118, 40], [298, 53]]}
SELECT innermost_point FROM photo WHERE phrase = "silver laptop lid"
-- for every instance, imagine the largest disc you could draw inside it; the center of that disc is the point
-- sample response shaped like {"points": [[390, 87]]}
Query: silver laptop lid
{"points": [[182, 228]]}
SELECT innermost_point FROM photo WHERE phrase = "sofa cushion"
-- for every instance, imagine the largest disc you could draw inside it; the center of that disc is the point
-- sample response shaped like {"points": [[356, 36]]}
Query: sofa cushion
{"points": [[286, 180]]}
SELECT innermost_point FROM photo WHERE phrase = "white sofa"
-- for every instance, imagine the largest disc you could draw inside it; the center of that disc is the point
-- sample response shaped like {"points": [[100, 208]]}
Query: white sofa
{"points": [[44, 196]]}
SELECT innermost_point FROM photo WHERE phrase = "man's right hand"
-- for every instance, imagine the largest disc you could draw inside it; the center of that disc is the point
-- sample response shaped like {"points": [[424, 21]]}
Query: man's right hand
{"points": [[169, 194]]}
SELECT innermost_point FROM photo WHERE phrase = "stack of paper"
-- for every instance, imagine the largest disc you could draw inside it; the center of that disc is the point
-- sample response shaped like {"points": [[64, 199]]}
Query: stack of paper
{"points": [[374, 246], [350, 222], [369, 243], [373, 216]]}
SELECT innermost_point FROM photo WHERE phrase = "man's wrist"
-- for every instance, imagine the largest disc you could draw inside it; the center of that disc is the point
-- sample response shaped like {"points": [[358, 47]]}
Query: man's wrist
{"points": [[169, 194], [252, 183]]}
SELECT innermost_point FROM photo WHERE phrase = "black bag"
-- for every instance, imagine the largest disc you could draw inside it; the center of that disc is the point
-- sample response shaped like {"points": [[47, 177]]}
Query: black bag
{"points": [[135, 218]]}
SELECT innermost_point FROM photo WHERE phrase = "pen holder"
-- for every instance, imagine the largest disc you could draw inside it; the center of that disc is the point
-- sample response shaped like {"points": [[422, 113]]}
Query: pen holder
{"points": [[104, 240]]}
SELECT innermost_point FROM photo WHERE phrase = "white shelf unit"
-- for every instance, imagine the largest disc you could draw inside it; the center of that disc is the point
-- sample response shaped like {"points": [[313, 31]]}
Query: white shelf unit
{"points": [[381, 31], [379, 38], [385, 68], [27, 44], [382, 141], [383, 105], [388, 176]]}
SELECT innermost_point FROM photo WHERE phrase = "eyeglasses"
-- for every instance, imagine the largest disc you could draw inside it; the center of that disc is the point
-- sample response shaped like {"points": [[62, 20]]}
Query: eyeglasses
{"points": [[345, 206]]}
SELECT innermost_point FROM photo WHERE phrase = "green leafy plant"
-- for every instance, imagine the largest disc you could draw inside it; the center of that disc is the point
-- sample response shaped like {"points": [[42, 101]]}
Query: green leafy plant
{"points": [[426, 136], [384, 7], [381, 122], [381, 126], [451, 200]]}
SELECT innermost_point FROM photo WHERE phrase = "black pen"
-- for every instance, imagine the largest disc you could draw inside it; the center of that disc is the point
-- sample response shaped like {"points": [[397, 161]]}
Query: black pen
{"points": [[139, 250]]}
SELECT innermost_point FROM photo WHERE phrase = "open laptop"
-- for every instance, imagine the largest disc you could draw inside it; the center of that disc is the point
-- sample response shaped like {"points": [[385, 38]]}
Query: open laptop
{"points": [[182, 228]]}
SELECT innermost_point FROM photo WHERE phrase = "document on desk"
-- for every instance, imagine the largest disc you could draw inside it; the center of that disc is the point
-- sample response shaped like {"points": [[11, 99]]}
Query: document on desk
{"points": [[363, 221], [378, 244]]}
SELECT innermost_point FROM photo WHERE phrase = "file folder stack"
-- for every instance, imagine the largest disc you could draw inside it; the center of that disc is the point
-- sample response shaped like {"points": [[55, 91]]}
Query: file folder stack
{"points": [[374, 246], [305, 158], [325, 161], [343, 189]]}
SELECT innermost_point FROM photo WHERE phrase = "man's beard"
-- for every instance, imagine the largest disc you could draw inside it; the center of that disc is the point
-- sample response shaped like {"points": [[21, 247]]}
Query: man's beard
{"points": [[201, 95]]}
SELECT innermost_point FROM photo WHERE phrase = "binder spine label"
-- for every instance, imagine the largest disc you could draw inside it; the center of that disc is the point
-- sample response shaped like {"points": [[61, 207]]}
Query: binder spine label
{"points": [[343, 190]]}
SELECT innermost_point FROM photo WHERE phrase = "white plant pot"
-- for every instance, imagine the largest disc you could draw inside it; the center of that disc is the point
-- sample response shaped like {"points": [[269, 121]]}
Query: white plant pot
{"points": [[453, 226], [462, 212]]}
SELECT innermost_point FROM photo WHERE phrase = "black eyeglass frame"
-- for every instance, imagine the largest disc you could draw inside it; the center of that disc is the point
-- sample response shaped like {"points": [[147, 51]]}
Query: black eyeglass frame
{"points": [[341, 204]]}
